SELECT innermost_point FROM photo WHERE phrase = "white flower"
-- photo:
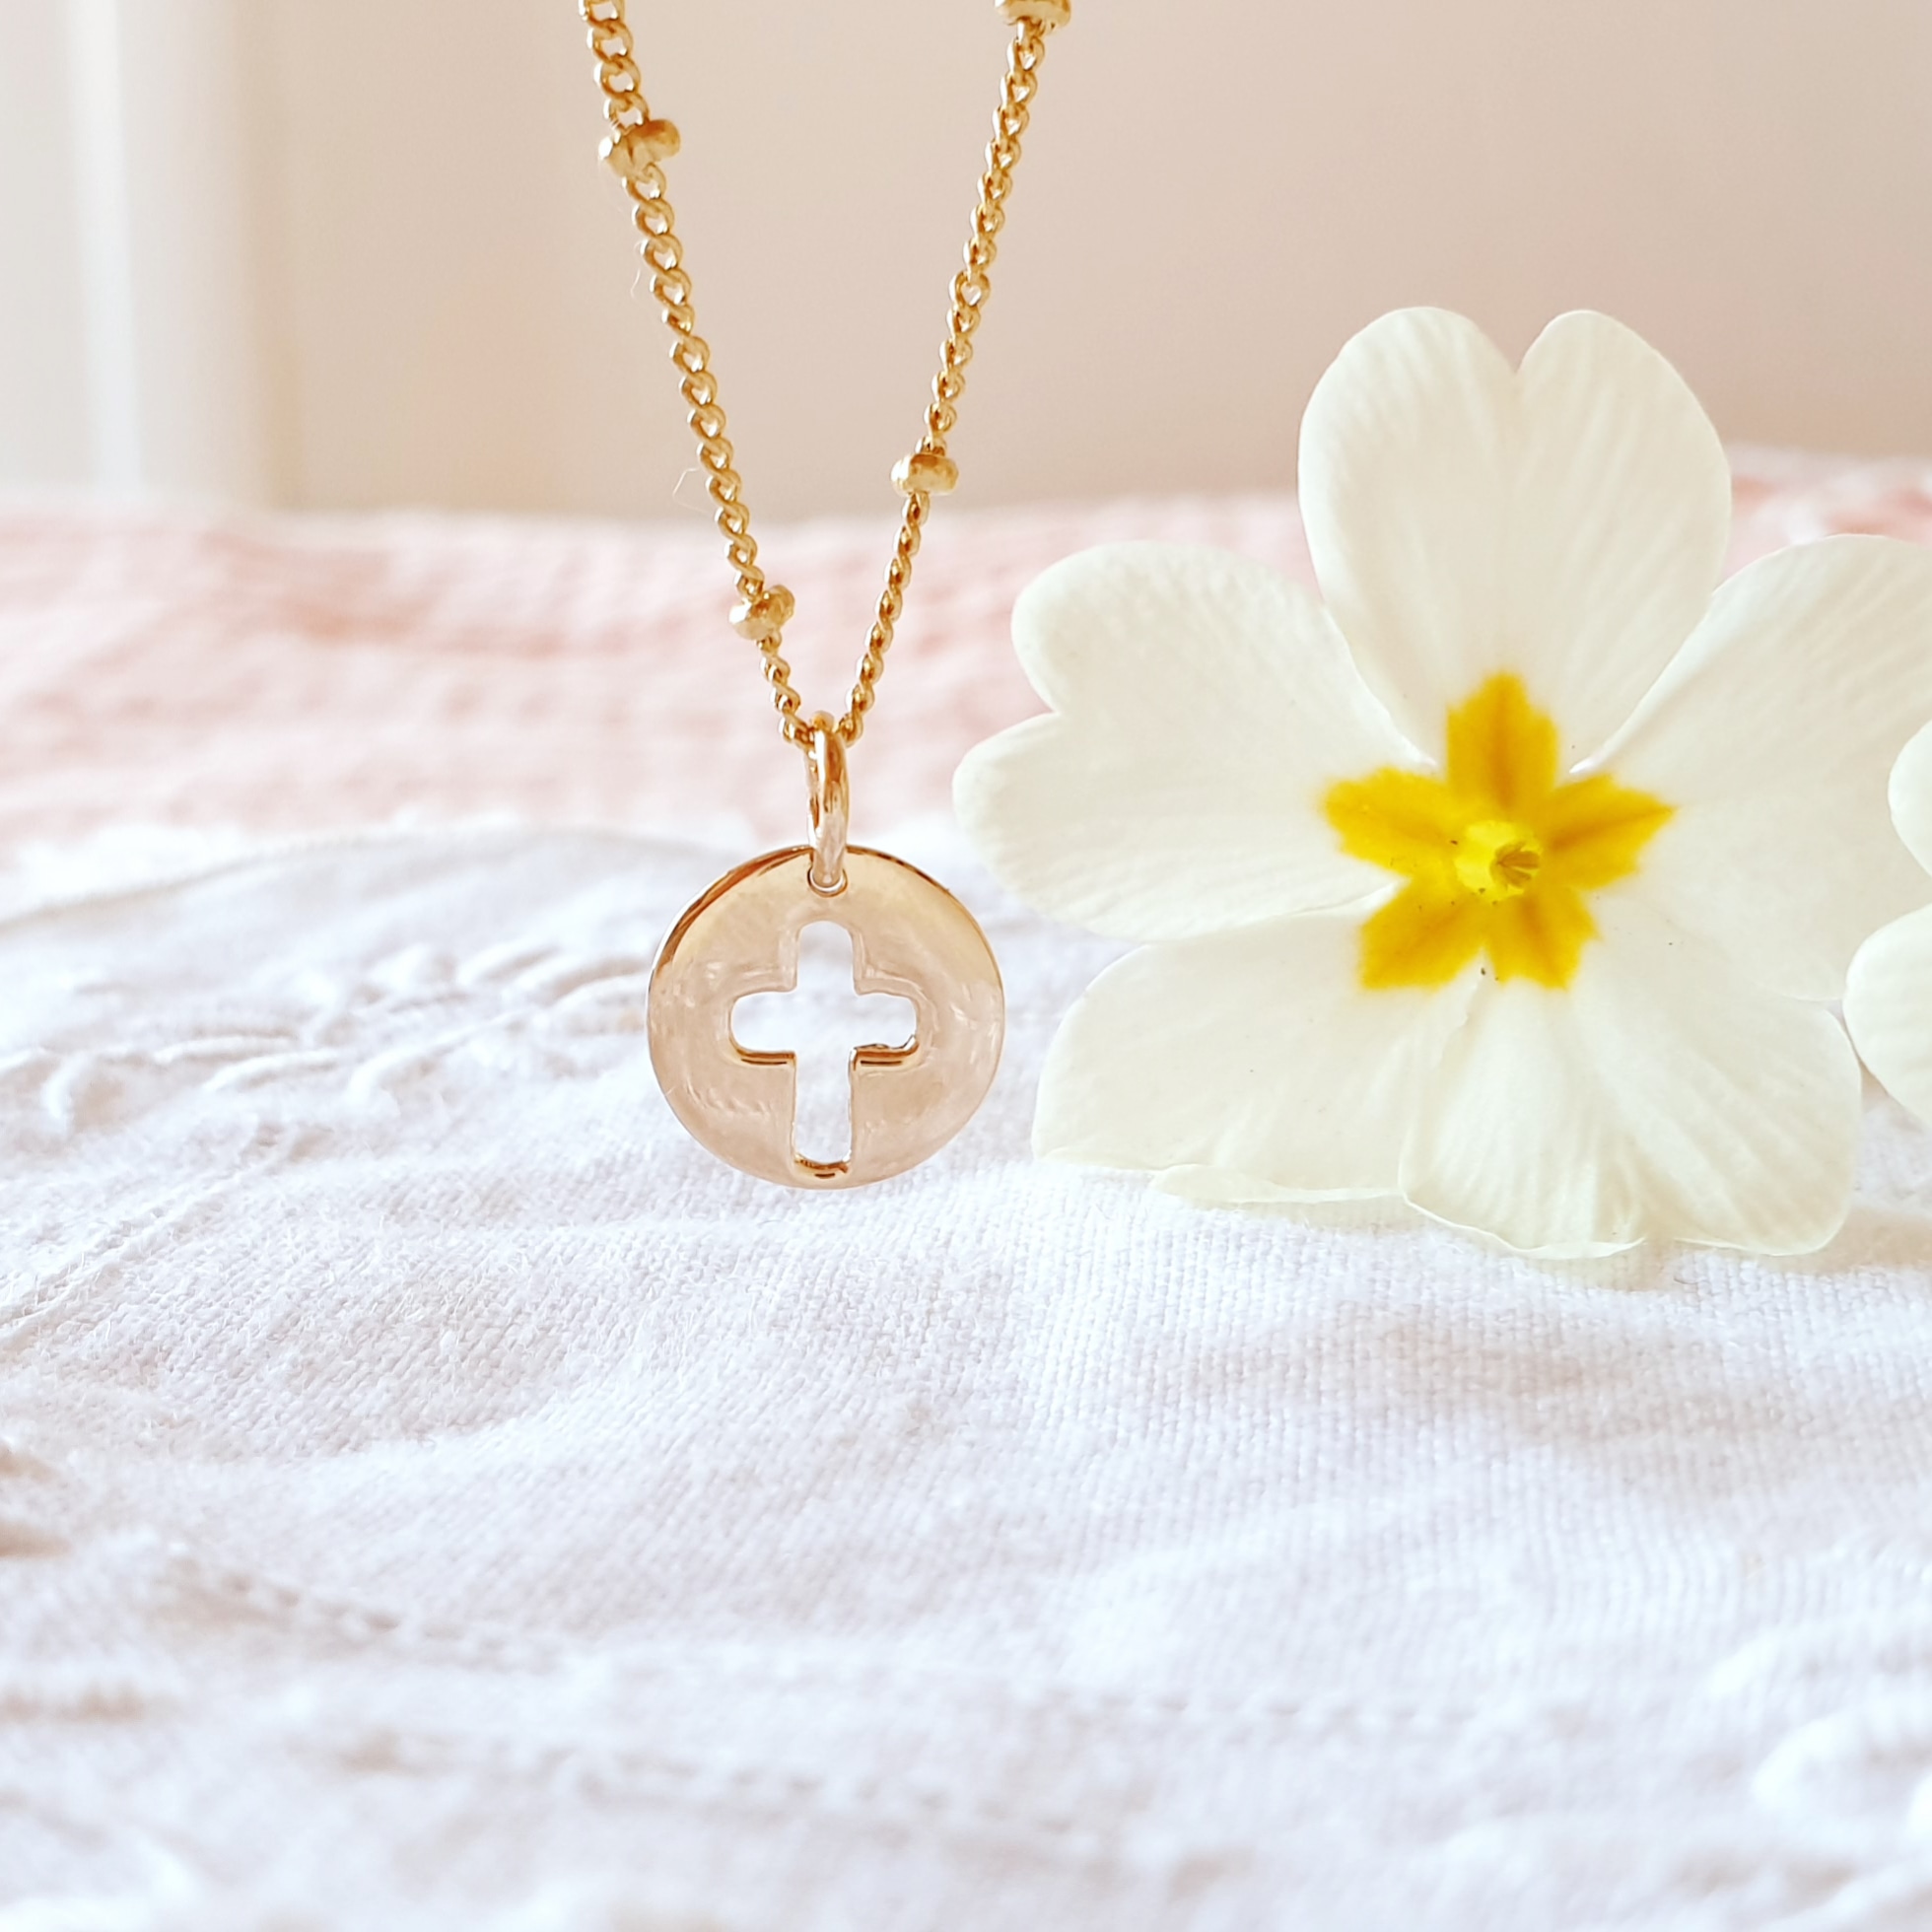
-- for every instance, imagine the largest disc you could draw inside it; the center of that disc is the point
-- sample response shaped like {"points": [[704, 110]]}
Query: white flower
{"points": [[1888, 995], [1516, 881]]}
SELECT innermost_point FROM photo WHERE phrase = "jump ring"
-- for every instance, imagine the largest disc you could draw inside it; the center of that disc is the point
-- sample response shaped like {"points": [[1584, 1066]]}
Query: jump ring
{"points": [[831, 806]]}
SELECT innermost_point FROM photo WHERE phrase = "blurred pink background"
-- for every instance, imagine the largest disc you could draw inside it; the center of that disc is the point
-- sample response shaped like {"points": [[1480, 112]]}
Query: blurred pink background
{"points": [[362, 253]]}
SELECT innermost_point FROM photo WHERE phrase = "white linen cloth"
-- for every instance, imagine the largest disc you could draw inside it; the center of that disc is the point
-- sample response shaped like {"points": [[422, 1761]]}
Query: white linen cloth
{"points": [[434, 1493]]}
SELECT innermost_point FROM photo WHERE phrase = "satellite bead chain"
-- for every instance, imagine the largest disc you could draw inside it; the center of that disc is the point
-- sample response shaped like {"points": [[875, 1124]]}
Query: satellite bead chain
{"points": [[635, 148]]}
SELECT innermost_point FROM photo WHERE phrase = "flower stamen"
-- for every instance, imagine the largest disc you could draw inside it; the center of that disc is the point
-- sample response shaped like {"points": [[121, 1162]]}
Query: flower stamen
{"points": [[1499, 852], [1496, 859]]}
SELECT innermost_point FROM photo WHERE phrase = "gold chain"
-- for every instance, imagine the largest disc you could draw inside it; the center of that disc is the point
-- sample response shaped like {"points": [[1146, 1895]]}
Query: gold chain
{"points": [[637, 147]]}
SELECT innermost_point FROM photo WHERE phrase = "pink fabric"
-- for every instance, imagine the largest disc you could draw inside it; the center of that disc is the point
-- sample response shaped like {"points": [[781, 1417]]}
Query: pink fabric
{"points": [[279, 675]]}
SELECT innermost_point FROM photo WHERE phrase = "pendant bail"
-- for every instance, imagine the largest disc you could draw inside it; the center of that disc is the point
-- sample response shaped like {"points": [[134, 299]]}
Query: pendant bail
{"points": [[831, 806]]}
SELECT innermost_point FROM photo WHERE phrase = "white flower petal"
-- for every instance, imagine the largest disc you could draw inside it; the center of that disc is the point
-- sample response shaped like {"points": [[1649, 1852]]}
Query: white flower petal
{"points": [[1889, 1009], [1257, 1054], [1567, 523], [1658, 1096], [1771, 737], [1910, 796], [1202, 707], [1407, 452]]}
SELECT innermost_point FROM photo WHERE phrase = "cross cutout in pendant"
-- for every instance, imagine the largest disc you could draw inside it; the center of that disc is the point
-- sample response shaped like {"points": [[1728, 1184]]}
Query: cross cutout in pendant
{"points": [[822, 1020]]}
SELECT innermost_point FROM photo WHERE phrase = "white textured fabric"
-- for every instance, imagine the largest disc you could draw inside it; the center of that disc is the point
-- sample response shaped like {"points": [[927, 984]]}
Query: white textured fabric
{"points": [[433, 1494]]}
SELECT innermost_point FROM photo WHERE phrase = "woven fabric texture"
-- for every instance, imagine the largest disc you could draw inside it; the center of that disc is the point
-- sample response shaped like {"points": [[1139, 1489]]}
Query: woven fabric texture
{"points": [[434, 1493]]}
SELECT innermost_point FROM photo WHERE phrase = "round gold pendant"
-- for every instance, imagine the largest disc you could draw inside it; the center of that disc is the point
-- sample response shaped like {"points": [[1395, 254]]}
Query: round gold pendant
{"points": [[910, 937]]}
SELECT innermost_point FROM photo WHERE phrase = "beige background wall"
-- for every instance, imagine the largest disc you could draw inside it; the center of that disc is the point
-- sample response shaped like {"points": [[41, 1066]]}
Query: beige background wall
{"points": [[361, 253]]}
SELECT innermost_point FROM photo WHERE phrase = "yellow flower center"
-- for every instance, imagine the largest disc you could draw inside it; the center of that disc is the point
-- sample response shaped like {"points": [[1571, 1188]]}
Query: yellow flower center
{"points": [[1497, 854], [1496, 859]]}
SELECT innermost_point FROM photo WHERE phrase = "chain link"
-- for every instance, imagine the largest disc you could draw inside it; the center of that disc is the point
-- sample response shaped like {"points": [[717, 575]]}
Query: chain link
{"points": [[637, 147]]}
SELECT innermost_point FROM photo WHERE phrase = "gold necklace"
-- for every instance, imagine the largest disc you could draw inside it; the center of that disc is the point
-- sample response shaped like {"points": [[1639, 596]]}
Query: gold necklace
{"points": [[910, 937]]}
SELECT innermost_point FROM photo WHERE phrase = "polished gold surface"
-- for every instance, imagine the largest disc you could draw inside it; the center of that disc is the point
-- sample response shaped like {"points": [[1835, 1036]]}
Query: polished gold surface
{"points": [[631, 150], [909, 937], [765, 615], [925, 472], [831, 806], [636, 145]]}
